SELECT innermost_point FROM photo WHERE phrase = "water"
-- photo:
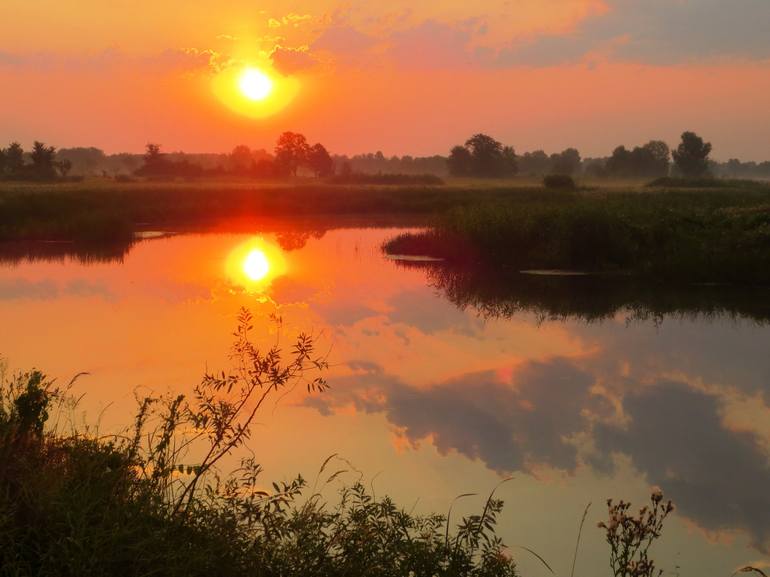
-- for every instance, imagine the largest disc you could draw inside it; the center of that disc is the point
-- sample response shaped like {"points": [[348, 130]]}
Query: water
{"points": [[442, 382]]}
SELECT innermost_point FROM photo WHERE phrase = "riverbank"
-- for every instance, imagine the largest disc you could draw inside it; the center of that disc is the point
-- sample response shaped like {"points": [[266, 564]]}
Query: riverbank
{"points": [[688, 235]]}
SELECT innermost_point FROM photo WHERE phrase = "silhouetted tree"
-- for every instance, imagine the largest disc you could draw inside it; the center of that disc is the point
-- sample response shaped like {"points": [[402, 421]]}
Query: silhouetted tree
{"points": [[509, 166], [484, 157], [566, 162], [650, 160], [43, 165], [291, 152], [661, 155], [14, 160], [83, 160], [155, 162], [241, 159], [320, 162], [692, 155], [346, 169], [534, 163], [459, 161]]}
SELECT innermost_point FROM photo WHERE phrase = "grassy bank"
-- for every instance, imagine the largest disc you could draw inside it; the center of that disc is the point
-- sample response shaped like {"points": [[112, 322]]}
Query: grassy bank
{"points": [[687, 235]]}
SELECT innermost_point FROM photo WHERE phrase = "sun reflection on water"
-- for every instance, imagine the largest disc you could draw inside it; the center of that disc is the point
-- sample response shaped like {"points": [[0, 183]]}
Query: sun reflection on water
{"points": [[254, 264]]}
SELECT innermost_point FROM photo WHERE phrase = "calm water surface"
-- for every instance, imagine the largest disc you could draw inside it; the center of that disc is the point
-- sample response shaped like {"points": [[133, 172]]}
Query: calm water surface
{"points": [[438, 387]]}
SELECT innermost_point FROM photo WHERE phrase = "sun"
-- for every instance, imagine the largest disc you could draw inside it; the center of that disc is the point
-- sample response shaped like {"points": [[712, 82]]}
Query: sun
{"points": [[256, 266], [255, 84]]}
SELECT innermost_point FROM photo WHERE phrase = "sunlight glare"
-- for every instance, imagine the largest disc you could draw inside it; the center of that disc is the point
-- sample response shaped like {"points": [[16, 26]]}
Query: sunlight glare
{"points": [[255, 84], [255, 91], [256, 266]]}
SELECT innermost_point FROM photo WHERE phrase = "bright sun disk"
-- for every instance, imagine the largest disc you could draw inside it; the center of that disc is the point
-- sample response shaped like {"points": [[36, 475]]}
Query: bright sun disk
{"points": [[255, 84], [255, 265]]}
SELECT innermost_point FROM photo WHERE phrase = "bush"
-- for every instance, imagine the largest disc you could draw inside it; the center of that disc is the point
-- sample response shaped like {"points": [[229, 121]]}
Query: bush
{"points": [[560, 181]]}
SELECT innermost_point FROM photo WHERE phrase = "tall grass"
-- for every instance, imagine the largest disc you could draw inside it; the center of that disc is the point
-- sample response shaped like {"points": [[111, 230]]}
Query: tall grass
{"points": [[689, 236]]}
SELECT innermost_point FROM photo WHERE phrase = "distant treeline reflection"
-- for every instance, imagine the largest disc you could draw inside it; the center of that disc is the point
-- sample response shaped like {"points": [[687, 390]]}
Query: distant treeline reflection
{"points": [[500, 293]]}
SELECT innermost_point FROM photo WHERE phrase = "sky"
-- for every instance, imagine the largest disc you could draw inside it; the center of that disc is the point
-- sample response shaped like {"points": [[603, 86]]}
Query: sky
{"points": [[404, 77]]}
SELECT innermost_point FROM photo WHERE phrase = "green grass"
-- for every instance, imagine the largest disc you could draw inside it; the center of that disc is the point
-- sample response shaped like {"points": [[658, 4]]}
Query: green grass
{"points": [[720, 235]]}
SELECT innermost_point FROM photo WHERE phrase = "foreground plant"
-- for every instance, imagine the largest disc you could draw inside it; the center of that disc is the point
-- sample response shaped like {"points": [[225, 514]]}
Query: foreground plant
{"points": [[155, 501], [631, 536]]}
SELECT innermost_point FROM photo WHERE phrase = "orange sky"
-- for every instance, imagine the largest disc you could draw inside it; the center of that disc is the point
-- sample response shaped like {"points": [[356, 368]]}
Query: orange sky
{"points": [[401, 77]]}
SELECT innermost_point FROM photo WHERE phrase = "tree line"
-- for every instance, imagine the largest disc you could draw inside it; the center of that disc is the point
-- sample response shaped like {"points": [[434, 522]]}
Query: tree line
{"points": [[292, 153], [38, 164], [484, 157], [480, 156]]}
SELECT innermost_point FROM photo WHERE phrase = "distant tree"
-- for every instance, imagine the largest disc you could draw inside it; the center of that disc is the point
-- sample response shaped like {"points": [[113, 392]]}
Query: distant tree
{"points": [[14, 160], [83, 160], [509, 165], [3, 162], [241, 159], [154, 159], [156, 163], [661, 155], [692, 155], [566, 162], [534, 163], [619, 163], [595, 167], [483, 157], [320, 161], [43, 163], [486, 155], [264, 168], [459, 161], [291, 152], [64, 166], [346, 169], [650, 160]]}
